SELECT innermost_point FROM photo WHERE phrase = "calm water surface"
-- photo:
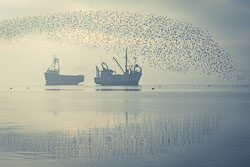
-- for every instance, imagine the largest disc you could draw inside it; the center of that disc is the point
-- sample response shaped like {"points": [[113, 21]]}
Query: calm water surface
{"points": [[125, 126]]}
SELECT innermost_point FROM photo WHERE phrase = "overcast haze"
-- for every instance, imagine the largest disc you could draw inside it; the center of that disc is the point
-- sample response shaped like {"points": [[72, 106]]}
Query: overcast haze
{"points": [[24, 61]]}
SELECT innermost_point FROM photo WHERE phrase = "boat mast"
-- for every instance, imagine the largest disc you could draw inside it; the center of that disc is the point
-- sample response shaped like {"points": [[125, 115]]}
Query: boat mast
{"points": [[56, 64], [126, 63]]}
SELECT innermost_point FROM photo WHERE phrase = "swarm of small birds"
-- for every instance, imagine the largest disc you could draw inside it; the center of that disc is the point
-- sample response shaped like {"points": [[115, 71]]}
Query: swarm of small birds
{"points": [[164, 43]]}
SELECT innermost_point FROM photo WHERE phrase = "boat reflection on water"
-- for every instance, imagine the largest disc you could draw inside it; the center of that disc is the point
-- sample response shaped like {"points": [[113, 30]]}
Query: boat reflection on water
{"points": [[64, 88], [118, 88], [126, 90], [53, 89], [93, 88]]}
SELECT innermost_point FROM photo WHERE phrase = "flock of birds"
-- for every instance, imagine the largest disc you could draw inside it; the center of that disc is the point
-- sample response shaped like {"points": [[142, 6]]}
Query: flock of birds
{"points": [[163, 43]]}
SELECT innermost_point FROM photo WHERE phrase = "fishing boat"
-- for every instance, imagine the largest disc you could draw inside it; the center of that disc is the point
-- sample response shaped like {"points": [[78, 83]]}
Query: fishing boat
{"points": [[53, 76], [130, 76]]}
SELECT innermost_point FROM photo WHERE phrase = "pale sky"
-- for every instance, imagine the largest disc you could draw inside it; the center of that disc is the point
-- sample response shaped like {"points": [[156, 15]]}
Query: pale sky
{"points": [[26, 60]]}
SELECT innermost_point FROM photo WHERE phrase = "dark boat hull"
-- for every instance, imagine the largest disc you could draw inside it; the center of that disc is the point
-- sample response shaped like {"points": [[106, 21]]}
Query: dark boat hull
{"points": [[119, 80], [57, 79]]}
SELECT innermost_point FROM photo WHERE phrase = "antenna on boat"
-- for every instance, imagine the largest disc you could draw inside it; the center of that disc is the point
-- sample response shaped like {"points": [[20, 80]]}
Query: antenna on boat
{"points": [[135, 60]]}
